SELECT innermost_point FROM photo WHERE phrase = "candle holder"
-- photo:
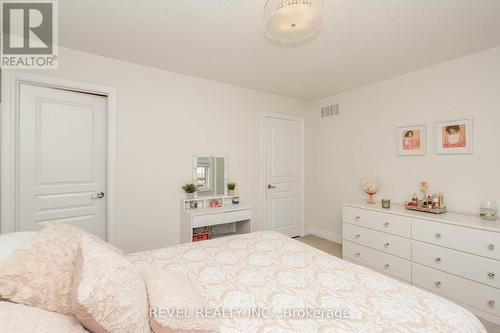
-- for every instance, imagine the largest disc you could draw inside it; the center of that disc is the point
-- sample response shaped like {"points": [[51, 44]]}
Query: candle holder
{"points": [[489, 210], [386, 203]]}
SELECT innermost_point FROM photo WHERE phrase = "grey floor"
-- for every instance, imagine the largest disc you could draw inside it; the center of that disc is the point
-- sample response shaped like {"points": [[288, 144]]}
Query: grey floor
{"points": [[336, 250]]}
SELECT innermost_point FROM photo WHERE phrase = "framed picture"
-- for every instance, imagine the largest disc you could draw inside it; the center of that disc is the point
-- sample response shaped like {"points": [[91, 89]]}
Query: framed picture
{"points": [[411, 140], [454, 136]]}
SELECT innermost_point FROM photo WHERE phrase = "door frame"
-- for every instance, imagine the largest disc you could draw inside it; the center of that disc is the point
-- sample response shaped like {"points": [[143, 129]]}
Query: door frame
{"points": [[301, 188], [9, 127]]}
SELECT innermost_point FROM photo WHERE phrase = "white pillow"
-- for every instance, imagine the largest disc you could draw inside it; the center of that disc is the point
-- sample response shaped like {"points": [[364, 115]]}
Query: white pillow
{"points": [[18, 318], [12, 241]]}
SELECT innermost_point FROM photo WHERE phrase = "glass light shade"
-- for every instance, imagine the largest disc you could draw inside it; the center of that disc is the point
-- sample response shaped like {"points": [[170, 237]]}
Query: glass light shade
{"points": [[291, 21]]}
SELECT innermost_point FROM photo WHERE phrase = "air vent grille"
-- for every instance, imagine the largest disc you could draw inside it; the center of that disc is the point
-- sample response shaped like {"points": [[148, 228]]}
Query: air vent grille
{"points": [[330, 110]]}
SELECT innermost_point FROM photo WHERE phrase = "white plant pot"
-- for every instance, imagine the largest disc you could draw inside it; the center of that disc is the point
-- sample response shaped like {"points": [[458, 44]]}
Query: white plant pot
{"points": [[191, 196], [230, 192]]}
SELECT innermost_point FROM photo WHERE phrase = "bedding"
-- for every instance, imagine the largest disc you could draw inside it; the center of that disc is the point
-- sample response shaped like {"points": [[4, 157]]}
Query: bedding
{"points": [[40, 273], [266, 282], [108, 293], [167, 288], [20, 318], [12, 241]]}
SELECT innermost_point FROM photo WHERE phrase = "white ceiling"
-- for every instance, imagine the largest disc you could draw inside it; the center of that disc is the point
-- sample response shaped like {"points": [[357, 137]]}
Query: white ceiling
{"points": [[363, 41]]}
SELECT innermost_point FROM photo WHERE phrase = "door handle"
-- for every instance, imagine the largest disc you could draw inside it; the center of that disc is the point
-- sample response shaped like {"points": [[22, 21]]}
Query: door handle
{"points": [[98, 195], [270, 187]]}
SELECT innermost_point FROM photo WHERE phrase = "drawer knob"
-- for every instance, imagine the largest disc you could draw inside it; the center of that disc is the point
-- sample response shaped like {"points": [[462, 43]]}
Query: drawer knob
{"points": [[386, 245], [387, 225], [387, 266], [357, 254], [491, 247], [357, 236], [438, 236], [357, 218], [438, 284], [438, 260], [491, 304], [491, 275]]}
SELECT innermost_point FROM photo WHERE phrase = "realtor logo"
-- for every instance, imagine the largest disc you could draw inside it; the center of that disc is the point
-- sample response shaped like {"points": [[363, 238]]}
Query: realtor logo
{"points": [[29, 30]]}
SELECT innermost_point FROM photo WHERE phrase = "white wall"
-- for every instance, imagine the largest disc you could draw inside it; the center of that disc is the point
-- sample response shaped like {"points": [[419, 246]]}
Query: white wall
{"points": [[163, 119], [341, 151]]}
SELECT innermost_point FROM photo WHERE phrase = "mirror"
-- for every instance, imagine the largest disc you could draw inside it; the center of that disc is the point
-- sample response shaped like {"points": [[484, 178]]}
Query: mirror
{"points": [[210, 174]]}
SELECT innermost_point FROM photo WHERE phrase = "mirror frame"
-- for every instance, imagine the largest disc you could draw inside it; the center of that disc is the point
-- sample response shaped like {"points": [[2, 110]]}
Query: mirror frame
{"points": [[226, 169]]}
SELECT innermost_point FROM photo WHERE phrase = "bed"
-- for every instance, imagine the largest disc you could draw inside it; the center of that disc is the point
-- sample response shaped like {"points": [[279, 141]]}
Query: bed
{"points": [[292, 287], [266, 282]]}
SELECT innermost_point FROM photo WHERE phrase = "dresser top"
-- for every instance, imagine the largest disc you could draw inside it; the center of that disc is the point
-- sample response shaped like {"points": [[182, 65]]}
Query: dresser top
{"points": [[470, 221]]}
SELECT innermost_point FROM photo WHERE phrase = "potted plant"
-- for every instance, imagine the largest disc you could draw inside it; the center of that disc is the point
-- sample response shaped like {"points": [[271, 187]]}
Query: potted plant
{"points": [[190, 190], [231, 188]]}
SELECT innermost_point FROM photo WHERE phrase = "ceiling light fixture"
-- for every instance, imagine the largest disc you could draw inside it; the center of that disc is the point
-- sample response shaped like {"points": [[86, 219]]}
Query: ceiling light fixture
{"points": [[292, 21]]}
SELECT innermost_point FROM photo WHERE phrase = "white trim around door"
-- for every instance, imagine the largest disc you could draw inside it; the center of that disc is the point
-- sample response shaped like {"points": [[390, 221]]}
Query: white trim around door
{"points": [[9, 151], [300, 171]]}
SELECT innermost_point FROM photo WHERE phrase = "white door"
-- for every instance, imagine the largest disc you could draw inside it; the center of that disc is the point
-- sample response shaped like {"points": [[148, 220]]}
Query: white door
{"points": [[62, 159], [284, 175]]}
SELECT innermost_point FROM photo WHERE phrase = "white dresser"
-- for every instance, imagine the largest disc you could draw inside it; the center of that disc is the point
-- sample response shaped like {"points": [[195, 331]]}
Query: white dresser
{"points": [[455, 256]]}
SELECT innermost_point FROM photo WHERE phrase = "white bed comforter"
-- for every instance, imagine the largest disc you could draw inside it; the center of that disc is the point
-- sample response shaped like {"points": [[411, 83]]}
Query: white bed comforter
{"points": [[277, 275]]}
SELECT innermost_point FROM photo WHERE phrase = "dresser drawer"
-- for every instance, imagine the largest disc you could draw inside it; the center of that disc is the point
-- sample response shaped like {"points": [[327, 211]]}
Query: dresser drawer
{"points": [[392, 224], [208, 220], [382, 262], [240, 215], [465, 291], [464, 239], [387, 243], [469, 266]]}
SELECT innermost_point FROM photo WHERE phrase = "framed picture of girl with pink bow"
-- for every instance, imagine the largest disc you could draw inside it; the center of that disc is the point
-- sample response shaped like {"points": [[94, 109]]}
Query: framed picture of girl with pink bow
{"points": [[411, 140], [454, 136]]}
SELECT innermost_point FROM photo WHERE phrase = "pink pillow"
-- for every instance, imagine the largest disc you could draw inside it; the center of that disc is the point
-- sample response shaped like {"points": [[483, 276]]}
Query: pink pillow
{"points": [[40, 273], [169, 290], [109, 295]]}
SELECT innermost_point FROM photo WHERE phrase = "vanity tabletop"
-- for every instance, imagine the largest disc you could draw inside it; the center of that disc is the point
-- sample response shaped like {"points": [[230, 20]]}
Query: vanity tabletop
{"points": [[471, 221]]}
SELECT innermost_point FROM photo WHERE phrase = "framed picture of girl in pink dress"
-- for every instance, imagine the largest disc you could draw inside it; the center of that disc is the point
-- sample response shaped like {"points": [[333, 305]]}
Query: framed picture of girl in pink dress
{"points": [[454, 136], [411, 140]]}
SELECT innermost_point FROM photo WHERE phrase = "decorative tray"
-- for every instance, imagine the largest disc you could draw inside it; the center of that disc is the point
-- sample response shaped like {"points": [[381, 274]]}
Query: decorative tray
{"points": [[440, 210]]}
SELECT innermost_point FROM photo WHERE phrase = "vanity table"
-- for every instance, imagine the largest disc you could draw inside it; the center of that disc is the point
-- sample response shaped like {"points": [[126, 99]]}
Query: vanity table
{"points": [[228, 220], [213, 210]]}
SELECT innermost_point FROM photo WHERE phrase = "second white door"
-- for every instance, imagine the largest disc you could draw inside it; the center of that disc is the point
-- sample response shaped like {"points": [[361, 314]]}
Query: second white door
{"points": [[62, 159], [284, 175]]}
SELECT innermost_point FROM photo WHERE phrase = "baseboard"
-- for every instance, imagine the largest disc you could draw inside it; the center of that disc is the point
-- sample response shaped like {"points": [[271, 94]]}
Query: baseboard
{"points": [[324, 234]]}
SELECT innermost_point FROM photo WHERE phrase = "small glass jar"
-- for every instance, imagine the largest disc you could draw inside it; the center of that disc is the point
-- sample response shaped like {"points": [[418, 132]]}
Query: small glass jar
{"points": [[489, 210], [386, 203]]}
